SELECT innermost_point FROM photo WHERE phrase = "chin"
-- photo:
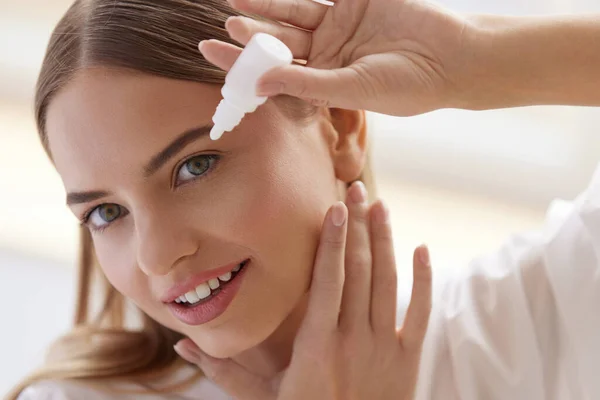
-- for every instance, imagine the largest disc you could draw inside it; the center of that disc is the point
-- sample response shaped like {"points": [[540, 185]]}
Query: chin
{"points": [[226, 346], [250, 325], [227, 343]]}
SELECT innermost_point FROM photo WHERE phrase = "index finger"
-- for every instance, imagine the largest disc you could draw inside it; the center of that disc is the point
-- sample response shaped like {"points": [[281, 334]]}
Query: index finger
{"points": [[328, 274], [305, 14], [417, 316]]}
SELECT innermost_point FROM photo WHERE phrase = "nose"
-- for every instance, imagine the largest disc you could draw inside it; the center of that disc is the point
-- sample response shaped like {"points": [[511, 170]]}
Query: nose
{"points": [[163, 239]]}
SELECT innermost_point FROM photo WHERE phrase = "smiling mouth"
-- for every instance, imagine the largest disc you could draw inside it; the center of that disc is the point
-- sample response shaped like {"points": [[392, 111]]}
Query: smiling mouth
{"points": [[207, 290]]}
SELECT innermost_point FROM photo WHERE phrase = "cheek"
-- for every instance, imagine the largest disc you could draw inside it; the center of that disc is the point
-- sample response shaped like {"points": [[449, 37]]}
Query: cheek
{"points": [[279, 199], [121, 271], [279, 209]]}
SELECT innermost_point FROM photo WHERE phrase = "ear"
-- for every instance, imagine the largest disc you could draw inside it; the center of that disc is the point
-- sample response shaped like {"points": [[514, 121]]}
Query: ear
{"points": [[348, 142]]}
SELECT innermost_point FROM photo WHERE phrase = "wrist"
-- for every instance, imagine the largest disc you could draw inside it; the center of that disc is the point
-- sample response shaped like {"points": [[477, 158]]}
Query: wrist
{"points": [[522, 61], [479, 81]]}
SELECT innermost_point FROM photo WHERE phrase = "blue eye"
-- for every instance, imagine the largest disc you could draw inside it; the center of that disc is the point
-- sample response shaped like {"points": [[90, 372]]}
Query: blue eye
{"points": [[195, 167]]}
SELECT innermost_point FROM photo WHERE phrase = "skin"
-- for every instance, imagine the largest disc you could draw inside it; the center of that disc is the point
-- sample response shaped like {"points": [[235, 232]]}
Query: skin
{"points": [[265, 199], [407, 57], [414, 58]]}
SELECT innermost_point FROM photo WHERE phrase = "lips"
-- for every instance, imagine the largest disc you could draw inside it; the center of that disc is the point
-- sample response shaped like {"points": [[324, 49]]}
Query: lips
{"points": [[212, 306], [192, 283], [206, 290]]}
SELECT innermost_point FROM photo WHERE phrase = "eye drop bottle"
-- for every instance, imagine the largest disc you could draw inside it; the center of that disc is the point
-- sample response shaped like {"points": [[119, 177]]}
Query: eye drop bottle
{"points": [[262, 53]]}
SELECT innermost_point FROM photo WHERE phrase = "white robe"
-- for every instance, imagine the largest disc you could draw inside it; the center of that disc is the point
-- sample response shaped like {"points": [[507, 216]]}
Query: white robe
{"points": [[522, 323]]}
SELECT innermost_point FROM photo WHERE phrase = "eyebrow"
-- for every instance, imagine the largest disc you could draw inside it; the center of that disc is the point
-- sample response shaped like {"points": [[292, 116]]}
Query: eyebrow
{"points": [[155, 163], [175, 147]]}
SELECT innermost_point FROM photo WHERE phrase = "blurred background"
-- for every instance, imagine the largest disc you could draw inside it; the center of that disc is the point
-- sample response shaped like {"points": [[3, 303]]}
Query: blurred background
{"points": [[460, 181]]}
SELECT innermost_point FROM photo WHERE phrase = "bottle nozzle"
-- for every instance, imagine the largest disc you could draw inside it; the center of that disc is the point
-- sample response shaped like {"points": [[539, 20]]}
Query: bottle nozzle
{"points": [[216, 132]]}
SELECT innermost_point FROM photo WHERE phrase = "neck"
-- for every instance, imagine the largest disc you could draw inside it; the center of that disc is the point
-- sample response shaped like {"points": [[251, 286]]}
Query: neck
{"points": [[274, 354]]}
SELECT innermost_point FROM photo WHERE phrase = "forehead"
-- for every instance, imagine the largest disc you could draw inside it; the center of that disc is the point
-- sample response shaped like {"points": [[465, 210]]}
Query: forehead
{"points": [[104, 116]]}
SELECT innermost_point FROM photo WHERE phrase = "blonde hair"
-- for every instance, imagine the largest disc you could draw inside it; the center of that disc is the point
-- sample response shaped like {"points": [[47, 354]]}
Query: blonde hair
{"points": [[157, 37]]}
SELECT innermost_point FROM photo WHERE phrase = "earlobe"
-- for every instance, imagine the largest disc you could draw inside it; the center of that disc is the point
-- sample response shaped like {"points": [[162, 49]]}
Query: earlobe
{"points": [[349, 149]]}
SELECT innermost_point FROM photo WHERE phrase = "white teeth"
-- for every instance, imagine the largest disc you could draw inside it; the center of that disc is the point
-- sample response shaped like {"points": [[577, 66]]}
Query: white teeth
{"points": [[192, 297], [225, 277], [203, 291]]}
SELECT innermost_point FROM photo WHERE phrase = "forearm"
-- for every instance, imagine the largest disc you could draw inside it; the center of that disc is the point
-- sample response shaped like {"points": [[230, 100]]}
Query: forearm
{"points": [[520, 61]]}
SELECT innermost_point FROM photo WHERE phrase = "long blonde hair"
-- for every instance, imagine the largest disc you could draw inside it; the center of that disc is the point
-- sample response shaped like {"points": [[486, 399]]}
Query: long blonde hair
{"points": [[157, 37]]}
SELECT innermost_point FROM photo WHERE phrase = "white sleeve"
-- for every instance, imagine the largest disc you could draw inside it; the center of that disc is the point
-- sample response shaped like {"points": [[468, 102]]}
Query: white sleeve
{"points": [[62, 390], [45, 390], [523, 323]]}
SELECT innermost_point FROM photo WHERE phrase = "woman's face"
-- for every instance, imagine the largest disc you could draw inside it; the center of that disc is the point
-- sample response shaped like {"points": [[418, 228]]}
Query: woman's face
{"points": [[162, 215]]}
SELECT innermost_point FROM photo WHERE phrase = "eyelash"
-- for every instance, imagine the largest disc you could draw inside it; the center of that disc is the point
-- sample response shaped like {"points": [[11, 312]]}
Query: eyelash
{"points": [[213, 159]]}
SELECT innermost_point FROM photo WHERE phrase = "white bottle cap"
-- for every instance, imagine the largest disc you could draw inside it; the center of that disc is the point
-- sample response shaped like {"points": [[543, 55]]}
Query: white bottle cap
{"points": [[262, 53]]}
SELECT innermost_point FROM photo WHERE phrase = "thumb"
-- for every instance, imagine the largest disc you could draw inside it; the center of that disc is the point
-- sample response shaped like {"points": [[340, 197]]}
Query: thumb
{"points": [[322, 87], [226, 373]]}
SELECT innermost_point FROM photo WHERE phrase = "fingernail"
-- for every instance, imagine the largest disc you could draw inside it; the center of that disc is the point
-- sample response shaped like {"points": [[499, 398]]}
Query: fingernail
{"points": [[179, 350], [382, 214], [358, 192], [338, 214], [187, 351], [269, 89], [200, 45], [424, 254], [228, 21], [177, 347]]}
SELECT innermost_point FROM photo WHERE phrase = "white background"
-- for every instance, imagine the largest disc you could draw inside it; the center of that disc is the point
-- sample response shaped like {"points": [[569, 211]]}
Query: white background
{"points": [[459, 181]]}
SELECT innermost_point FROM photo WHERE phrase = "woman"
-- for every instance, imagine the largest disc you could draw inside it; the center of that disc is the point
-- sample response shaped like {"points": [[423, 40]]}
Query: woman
{"points": [[518, 324], [124, 103]]}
